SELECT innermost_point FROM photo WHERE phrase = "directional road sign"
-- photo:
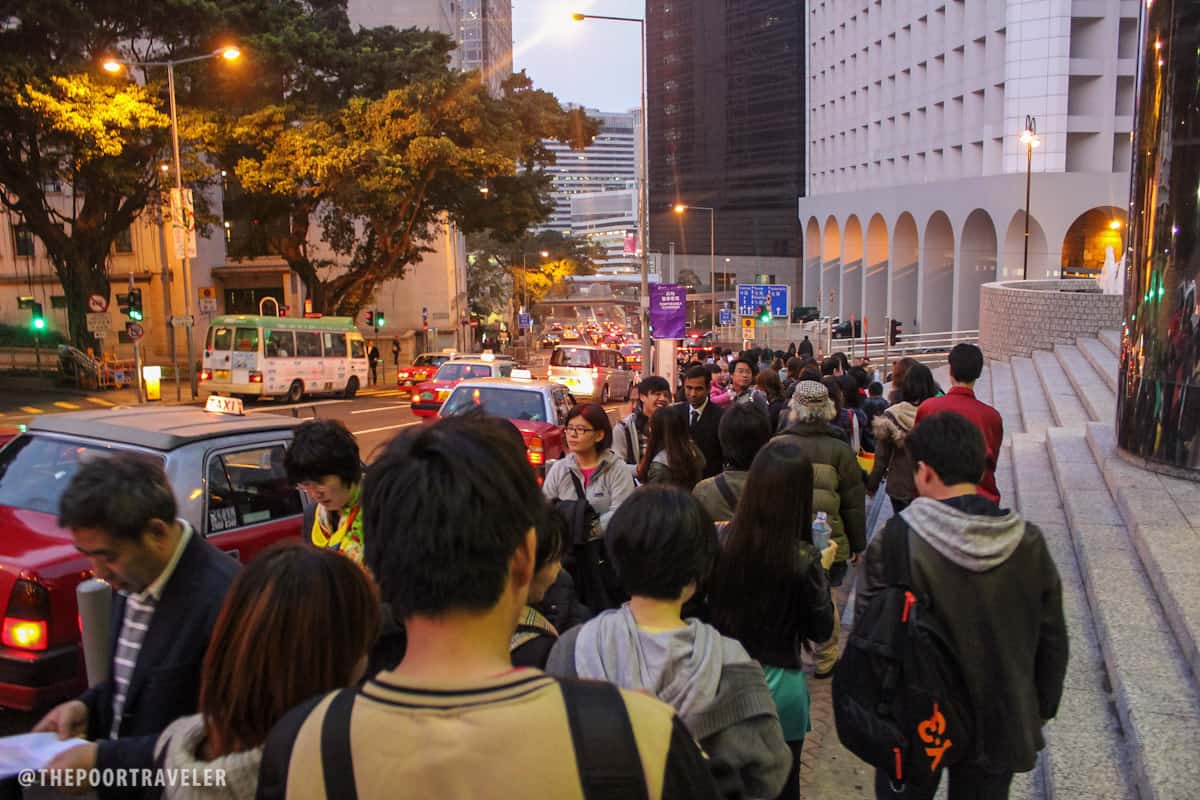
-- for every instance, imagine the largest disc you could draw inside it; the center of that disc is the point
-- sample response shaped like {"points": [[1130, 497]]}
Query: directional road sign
{"points": [[752, 296], [725, 315]]}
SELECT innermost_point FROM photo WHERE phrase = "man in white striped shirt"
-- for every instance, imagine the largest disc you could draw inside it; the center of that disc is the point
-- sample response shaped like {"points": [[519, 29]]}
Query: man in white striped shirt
{"points": [[170, 585]]}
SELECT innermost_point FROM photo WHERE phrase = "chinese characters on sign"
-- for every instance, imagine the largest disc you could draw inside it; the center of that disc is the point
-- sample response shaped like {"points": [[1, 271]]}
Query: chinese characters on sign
{"points": [[668, 310]]}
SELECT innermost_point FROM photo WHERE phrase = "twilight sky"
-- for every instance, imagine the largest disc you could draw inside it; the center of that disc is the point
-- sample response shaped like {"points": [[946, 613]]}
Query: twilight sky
{"points": [[594, 63]]}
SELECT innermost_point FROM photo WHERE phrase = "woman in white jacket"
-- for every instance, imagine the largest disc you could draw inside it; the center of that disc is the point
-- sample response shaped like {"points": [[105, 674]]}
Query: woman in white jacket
{"points": [[256, 669], [591, 465]]}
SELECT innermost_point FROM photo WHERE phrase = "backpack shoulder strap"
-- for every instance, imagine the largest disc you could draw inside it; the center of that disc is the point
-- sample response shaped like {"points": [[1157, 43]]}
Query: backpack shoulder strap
{"points": [[895, 554], [629, 457], [337, 760], [606, 753], [726, 490], [579, 493]]}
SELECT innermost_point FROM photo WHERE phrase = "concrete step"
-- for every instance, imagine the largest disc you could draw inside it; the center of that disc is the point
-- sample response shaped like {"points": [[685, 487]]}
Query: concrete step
{"points": [[1097, 397], [1153, 690], [1065, 406], [1035, 409], [1006, 479], [1086, 755], [1103, 360], [983, 386], [1004, 397], [1112, 340]]}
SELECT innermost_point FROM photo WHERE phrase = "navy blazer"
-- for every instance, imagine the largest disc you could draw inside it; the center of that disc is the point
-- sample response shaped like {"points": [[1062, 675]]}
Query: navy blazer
{"points": [[704, 434], [166, 680]]}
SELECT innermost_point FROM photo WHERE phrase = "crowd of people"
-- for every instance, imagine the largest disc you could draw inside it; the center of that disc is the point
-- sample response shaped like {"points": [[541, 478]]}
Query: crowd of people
{"points": [[643, 623]]}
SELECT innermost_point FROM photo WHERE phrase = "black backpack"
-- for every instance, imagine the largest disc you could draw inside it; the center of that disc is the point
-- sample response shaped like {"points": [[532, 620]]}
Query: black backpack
{"points": [[596, 581], [899, 699]]}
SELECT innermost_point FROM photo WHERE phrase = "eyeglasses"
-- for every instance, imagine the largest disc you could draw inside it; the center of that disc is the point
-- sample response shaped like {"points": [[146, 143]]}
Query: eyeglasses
{"points": [[578, 430]]}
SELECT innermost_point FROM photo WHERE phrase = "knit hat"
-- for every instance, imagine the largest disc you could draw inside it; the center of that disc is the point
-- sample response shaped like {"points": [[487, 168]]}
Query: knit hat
{"points": [[810, 393]]}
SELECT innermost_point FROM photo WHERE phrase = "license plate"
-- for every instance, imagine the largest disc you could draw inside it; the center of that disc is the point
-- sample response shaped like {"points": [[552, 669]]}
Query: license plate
{"points": [[221, 375], [426, 395]]}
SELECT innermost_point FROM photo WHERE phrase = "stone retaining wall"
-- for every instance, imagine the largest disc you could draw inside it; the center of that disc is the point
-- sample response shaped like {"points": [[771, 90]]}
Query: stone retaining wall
{"points": [[1018, 317]]}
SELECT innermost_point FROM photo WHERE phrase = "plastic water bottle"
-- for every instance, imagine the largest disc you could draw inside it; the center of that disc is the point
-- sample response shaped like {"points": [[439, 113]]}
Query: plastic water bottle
{"points": [[821, 531]]}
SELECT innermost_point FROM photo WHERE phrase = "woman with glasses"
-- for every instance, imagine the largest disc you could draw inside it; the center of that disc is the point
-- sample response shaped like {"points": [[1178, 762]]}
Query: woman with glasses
{"points": [[323, 461], [590, 466]]}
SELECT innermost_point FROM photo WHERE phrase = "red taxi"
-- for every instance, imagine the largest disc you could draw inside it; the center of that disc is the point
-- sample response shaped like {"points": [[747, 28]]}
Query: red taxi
{"points": [[421, 370], [230, 484], [633, 356], [428, 397], [538, 409]]}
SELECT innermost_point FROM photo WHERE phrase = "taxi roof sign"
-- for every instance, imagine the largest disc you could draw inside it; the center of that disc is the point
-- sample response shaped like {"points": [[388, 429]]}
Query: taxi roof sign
{"points": [[521, 375], [224, 405]]}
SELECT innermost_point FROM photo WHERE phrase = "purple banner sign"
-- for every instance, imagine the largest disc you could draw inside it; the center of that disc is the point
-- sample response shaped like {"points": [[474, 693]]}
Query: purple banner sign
{"points": [[668, 310]]}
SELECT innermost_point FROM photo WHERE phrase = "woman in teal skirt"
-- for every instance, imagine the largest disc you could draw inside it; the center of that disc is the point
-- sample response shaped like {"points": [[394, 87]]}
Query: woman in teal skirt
{"points": [[770, 591]]}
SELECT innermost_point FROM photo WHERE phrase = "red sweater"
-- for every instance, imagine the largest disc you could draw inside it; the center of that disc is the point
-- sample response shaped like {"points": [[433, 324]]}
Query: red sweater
{"points": [[961, 400]]}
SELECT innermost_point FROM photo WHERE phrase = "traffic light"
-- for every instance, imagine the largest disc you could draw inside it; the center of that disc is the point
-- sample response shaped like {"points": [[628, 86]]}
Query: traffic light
{"points": [[379, 320], [135, 305], [894, 332], [370, 319], [38, 319], [764, 315]]}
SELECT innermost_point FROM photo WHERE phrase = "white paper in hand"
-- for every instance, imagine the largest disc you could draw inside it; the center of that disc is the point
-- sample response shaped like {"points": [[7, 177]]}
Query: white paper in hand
{"points": [[31, 751]]}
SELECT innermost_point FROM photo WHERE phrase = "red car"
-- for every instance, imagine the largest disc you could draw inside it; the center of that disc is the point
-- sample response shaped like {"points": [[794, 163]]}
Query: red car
{"points": [[230, 484], [429, 396], [538, 409], [419, 371]]}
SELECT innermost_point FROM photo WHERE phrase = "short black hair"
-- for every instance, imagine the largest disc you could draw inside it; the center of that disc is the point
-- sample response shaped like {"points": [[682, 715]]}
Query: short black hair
{"points": [[323, 447], [966, 363], [829, 365], [119, 494], [749, 362], [951, 446], [653, 383], [594, 415], [918, 385], [875, 389], [660, 540], [742, 432], [862, 376], [699, 371], [552, 534], [444, 509]]}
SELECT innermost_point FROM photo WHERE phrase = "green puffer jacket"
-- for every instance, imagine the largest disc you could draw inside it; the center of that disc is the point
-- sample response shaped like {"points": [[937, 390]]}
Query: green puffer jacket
{"points": [[838, 488]]}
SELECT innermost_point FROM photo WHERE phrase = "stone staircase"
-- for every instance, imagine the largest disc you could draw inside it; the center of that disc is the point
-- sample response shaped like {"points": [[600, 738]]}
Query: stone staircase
{"points": [[1127, 545]]}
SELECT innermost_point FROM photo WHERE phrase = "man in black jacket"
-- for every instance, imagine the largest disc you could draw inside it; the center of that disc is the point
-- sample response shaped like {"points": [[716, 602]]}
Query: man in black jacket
{"points": [[704, 418], [992, 583], [170, 585]]}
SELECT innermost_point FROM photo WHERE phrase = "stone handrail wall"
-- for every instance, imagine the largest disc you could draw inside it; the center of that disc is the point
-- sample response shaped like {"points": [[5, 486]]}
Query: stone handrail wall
{"points": [[1018, 317]]}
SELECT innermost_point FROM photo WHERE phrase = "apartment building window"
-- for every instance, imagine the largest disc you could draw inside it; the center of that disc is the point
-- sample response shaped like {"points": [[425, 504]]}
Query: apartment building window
{"points": [[23, 237], [123, 243]]}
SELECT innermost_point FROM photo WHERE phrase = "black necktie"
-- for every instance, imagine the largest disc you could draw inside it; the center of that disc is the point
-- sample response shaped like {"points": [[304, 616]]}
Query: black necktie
{"points": [[695, 417]]}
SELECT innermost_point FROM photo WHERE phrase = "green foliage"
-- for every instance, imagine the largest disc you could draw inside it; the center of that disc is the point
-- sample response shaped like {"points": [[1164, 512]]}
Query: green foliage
{"points": [[500, 272]]}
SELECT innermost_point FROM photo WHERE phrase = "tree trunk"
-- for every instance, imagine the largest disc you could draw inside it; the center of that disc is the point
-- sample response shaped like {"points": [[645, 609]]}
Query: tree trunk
{"points": [[82, 277]]}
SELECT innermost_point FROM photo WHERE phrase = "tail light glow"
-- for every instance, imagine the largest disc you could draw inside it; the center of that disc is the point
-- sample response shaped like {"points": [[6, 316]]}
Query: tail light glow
{"points": [[24, 634], [536, 451], [24, 625], [205, 375], [256, 377]]}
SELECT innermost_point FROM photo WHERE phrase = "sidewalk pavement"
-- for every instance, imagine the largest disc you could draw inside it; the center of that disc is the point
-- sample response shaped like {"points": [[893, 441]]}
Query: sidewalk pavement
{"points": [[23, 397]]}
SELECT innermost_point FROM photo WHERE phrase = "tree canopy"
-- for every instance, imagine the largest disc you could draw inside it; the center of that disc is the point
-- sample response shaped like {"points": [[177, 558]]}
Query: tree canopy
{"points": [[500, 271]]}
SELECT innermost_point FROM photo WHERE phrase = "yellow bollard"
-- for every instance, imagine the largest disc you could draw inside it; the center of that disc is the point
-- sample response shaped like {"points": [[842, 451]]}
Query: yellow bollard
{"points": [[152, 378]]}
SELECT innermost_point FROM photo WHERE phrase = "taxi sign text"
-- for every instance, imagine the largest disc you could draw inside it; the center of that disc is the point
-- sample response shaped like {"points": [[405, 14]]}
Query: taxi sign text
{"points": [[224, 405]]}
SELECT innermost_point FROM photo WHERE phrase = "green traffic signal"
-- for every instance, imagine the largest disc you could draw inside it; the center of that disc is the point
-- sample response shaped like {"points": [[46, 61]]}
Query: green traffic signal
{"points": [[379, 322], [764, 315], [38, 320]]}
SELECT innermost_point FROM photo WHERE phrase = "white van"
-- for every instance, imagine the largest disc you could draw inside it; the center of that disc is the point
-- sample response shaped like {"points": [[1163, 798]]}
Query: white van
{"points": [[595, 372], [252, 356]]}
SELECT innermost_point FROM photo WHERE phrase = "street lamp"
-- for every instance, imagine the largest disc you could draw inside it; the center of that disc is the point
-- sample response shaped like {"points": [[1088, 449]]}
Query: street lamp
{"points": [[525, 292], [1030, 139], [644, 301], [115, 65], [680, 209]]}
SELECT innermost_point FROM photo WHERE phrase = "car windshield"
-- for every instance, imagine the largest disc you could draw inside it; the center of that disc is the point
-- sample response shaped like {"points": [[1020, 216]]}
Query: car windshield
{"points": [[430, 361], [498, 401], [457, 371], [571, 357], [35, 471]]}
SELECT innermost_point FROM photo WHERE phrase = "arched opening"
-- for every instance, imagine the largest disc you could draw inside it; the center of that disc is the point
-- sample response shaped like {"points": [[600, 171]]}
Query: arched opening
{"points": [[937, 276], [812, 262], [905, 258], [875, 268], [976, 266], [852, 272], [1088, 240], [831, 265], [1041, 264]]}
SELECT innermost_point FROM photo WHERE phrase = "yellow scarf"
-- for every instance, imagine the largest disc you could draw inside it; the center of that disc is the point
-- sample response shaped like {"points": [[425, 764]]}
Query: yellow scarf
{"points": [[347, 538]]}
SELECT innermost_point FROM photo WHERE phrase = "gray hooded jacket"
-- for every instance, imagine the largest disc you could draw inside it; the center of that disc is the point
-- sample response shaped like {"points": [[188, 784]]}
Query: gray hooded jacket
{"points": [[610, 485], [712, 683]]}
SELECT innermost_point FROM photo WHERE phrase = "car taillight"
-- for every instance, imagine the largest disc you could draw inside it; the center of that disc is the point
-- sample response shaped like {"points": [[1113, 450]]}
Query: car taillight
{"points": [[205, 375], [595, 373], [256, 377], [536, 450], [25, 621]]}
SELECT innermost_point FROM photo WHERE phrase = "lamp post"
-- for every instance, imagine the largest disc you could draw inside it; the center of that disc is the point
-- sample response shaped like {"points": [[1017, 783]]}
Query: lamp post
{"points": [[1030, 139], [644, 300], [115, 65], [525, 293], [680, 209]]}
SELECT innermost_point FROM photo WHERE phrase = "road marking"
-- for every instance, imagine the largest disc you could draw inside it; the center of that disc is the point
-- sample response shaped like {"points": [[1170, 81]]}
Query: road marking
{"points": [[262, 409], [384, 408], [31, 410], [388, 428], [100, 401], [68, 406]]}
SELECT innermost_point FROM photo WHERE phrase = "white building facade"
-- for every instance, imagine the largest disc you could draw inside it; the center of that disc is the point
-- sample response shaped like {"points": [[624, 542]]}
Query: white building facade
{"points": [[916, 168], [608, 164]]}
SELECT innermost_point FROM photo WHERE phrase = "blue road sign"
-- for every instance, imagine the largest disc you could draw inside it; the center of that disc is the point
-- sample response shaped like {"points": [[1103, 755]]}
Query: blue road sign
{"points": [[523, 321], [725, 316], [753, 295]]}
